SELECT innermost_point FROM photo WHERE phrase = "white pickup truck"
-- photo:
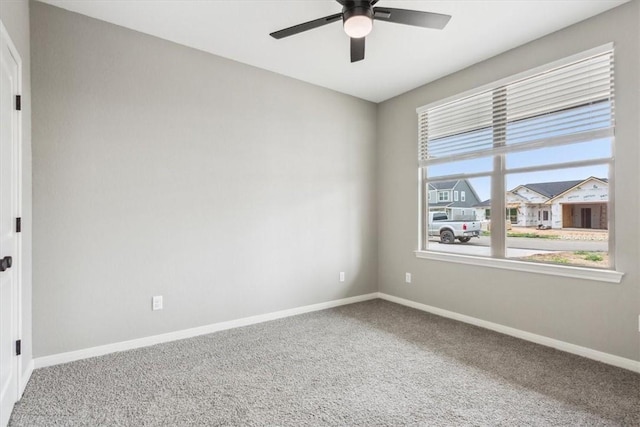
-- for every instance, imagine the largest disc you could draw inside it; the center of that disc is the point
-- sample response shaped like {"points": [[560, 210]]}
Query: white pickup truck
{"points": [[449, 230]]}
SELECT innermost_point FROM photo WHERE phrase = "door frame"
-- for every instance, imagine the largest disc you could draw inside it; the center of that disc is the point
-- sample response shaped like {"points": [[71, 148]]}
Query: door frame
{"points": [[17, 200]]}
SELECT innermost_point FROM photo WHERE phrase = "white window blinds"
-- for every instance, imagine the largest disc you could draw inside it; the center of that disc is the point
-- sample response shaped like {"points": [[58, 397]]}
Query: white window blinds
{"points": [[559, 105]]}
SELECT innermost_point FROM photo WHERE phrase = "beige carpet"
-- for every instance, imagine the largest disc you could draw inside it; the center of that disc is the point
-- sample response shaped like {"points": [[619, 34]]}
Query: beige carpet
{"points": [[368, 364]]}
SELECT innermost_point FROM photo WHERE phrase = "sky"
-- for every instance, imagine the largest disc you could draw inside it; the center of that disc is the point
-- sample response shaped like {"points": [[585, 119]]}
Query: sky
{"points": [[595, 116]]}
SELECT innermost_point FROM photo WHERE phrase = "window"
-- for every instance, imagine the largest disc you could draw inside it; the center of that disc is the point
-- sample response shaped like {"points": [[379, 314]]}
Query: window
{"points": [[443, 196], [455, 196], [534, 146]]}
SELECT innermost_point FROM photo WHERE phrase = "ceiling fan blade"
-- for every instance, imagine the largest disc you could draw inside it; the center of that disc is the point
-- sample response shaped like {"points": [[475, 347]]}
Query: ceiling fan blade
{"points": [[306, 26], [357, 49], [411, 17]]}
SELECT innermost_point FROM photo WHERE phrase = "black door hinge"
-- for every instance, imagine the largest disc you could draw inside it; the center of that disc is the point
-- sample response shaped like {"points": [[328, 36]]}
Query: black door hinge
{"points": [[18, 347], [18, 225], [18, 102]]}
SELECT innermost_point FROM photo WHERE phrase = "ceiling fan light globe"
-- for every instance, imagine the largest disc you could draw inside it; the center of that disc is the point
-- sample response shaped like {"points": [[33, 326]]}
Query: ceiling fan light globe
{"points": [[358, 26]]}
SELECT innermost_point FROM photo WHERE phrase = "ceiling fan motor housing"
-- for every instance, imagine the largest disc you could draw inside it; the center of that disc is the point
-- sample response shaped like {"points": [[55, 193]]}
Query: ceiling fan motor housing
{"points": [[363, 9]]}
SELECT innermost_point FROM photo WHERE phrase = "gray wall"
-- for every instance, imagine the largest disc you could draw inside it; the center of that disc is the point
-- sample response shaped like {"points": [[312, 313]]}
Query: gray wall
{"points": [[15, 17], [233, 191], [601, 316], [163, 170]]}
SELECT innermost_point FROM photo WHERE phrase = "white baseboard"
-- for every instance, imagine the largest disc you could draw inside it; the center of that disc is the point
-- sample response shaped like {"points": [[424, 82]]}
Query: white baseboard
{"points": [[589, 353], [86, 353], [71, 356], [25, 376]]}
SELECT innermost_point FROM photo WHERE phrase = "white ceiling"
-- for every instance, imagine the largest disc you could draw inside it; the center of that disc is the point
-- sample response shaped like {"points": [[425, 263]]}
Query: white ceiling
{"points": [[398, 57]]}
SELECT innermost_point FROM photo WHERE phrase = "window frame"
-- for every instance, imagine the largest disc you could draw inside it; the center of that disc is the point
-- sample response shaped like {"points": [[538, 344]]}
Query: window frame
{"points": [[498, 177]]}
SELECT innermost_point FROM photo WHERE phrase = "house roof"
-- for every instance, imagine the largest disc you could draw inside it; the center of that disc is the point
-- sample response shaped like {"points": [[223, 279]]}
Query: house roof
{"points": [[444, 185], [605, 180], [485, 204], [547, 189], [552, 189]]}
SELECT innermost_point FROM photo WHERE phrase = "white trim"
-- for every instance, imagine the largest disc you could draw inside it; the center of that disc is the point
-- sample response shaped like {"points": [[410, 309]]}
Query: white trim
{"points": [[524, 266], [611, 208], [516, 77], [422, 186], [56, 359], [25, 377], [610, 359], [12, 47], [498, 207], [17, 265]]}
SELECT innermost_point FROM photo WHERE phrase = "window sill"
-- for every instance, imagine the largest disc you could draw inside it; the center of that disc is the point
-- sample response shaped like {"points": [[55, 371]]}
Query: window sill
{"points": [[529, 267]]}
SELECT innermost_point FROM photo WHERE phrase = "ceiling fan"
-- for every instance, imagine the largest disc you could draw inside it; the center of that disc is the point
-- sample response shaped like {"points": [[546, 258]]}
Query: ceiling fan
{"points": [[357, 17]]}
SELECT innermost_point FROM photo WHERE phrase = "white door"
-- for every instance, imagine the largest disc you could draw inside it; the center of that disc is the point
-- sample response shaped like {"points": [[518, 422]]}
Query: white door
{"points": [[9, 139]]}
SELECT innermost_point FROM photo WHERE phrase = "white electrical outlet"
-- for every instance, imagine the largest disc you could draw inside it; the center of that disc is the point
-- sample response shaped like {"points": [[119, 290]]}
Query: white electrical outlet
{"points": [[157, 302], [407, 277], [342, 276]]}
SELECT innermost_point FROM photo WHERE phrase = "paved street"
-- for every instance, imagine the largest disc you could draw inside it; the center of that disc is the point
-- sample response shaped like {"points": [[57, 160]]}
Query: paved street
{"points": [[519, 246]]}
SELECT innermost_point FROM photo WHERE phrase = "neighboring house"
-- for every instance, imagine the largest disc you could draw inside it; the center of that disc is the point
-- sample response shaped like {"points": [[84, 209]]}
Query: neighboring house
{"points": [[527, 204], [560, 204], [456, 198], [582, 206], [483, 210]]}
